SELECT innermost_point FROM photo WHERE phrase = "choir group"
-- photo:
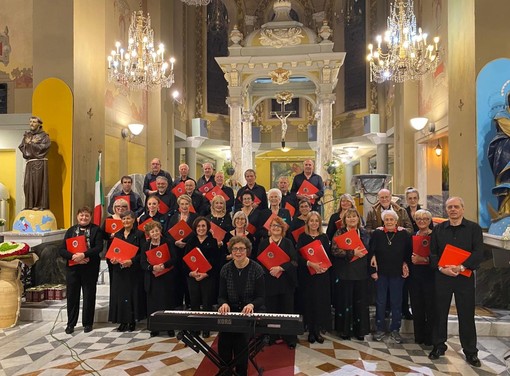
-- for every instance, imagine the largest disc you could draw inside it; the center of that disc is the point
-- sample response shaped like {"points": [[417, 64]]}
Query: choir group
{"points": [[195, 245]]}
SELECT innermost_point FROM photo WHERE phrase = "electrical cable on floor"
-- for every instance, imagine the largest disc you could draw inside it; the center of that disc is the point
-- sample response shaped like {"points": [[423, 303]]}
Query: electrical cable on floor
{"points": [[74, 355]]}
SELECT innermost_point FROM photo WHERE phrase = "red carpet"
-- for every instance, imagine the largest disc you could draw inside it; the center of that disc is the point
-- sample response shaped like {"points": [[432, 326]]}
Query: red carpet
{"points": [[276, 360]]}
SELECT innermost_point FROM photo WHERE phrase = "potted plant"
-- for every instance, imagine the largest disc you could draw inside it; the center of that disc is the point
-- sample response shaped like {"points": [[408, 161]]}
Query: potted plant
{"points": [[228, 169]]}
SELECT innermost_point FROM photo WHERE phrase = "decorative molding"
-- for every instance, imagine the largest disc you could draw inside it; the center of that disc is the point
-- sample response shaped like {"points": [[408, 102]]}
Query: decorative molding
{"points": [[279, 38], [280, 76], [199, 69]]}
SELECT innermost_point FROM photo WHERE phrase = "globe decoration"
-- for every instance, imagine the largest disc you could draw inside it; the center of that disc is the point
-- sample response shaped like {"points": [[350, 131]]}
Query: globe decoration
{"points": [[34, 221]]}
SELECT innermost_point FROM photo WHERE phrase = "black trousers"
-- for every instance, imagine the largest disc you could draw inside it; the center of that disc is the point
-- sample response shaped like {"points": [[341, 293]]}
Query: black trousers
{"points": [[282, 303], [463, 289], [352, 317], [201, 293], [81, 277], [234, 344], [421, 291]]}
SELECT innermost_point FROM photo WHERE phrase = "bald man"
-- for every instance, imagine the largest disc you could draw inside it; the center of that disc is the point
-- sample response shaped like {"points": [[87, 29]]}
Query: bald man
{"points": [[208, 176], [384, 203], [311, 177], [149, 182]]}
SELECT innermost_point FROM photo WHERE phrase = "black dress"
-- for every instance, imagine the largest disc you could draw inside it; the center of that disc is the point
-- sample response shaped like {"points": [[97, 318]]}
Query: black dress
{"points": [[128, 302], [161, 294], [315, 289], [158, 217], [82, 276], [280, 291], [350, 289]]}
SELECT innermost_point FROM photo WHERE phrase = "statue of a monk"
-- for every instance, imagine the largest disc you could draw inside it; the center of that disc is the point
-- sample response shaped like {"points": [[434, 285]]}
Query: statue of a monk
{"points": [[34, 147]]}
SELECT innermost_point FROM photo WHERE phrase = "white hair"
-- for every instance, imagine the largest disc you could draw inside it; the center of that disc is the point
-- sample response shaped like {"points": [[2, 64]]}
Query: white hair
{"points": [[389, 212]]}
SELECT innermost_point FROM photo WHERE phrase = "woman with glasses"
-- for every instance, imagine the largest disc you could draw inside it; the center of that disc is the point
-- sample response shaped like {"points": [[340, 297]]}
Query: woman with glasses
{"points": [[254, 217], [128, 300], [304, 208], [390, 256], [350, 289], [280, 280], [203, 286], [315, 287], [242, 290], [421, 283], [335, 221], [240, 223], [159, 277]]}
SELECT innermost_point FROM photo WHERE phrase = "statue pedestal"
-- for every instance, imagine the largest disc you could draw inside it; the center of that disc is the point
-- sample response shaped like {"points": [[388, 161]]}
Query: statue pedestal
{"points": [[500, 249], [33, 238]]}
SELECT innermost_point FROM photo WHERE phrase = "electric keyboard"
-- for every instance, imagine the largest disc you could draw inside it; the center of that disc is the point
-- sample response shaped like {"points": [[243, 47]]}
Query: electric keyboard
{"points": [[235, 322]]}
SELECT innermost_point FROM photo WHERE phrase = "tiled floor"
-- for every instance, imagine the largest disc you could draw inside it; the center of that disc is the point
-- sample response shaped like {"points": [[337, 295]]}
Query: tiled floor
{"points": [[39, 348]]}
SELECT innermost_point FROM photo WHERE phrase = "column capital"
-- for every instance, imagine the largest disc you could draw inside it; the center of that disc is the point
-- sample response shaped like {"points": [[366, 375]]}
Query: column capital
{"points": [[195, 141], [234, 101], [247, 116], [379, 138], [329, 98]]}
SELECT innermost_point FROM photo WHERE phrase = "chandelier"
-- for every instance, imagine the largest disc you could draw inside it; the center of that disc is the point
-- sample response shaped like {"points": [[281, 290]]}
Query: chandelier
{"points": [[196, 3], [407, 55], [141, 66]]}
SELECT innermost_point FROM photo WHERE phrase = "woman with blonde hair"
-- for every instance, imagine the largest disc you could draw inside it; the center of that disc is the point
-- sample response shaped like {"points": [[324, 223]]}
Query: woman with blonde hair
{"points": [[335, 223], [316, 286]]}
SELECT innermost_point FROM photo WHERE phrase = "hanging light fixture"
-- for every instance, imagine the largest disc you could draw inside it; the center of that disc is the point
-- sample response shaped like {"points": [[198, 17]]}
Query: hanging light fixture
{"points": [[407, 55], [438, 149], [140, 66], [196, 3]]}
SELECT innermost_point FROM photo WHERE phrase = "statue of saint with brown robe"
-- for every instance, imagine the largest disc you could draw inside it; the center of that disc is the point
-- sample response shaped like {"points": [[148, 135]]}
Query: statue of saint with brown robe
{"points": [[34, 147]]}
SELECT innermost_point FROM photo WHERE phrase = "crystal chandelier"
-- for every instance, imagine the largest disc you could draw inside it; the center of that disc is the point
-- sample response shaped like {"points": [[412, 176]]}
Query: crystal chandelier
{"points": [[141, 66], [408, 56], [196, 3]]}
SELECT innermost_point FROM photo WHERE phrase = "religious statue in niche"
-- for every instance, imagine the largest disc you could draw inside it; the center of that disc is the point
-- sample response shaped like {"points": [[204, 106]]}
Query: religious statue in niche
{"points": [[34, 147], [5, 47]]}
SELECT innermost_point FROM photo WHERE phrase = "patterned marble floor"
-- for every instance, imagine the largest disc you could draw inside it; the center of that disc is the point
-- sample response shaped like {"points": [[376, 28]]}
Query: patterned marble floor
{"points": [[39, 348]]}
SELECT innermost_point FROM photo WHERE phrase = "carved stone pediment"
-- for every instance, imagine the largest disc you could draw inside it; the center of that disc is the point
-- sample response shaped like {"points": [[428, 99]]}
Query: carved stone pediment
{"points": [[279, 38]]}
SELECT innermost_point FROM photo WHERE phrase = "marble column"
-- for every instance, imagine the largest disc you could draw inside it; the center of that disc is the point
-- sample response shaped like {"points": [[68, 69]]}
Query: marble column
{"points": [[247, 162], [348, 168], [324, 133], [364, 165], [235, 104], [191, 161], [382, 159]]}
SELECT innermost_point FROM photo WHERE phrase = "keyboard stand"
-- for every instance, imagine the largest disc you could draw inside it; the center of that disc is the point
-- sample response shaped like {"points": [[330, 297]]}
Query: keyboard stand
{"points": [[193, 340]]}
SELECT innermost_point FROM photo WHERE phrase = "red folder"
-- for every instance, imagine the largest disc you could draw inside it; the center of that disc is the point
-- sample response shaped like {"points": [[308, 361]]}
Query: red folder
{"points": [[127, 198], [121, 250], [163, 208], [180, 230], [308, 189], [269, 220], [291, 209], [192, 209], [421, 247], [112, 225], [272, 256], [339, 224], [217, 232], [251, 229], [350, 241], [159, 255], [206, 187], [78, 244], [216, 191], [196, 260], [455, 256], [153, 185], [141, 226], [315, 252], [179, 189], [298, 232]]}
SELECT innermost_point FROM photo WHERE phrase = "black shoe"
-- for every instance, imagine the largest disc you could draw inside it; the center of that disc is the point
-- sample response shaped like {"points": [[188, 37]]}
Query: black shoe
{"points": [[206, 334], [87, 328], [473, 360], [436, 353], [131, 326], [360, 338], [319, 338], [154, 334], [345, 337], [311, 338], [69, 329], [171, 333], [291, 346], [122, 327]]}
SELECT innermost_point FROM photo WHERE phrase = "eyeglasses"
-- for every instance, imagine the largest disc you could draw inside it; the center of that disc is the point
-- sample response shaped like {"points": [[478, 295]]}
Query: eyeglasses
{"points": [[121, 206], [275, 225], [422, 219], [239, 249]]}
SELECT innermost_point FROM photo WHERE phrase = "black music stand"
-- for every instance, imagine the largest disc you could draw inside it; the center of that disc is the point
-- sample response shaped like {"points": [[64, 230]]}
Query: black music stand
{"points": [[193, 340]]}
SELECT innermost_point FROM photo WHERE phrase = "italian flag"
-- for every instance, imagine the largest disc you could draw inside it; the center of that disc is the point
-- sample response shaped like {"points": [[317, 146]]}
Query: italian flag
{"points": [[98, 195]]}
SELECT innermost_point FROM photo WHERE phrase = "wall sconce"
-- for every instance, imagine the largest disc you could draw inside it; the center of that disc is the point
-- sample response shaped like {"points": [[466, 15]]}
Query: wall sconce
{"points": [[419, 123], [175, 96], [438, 149], [131, 131]]}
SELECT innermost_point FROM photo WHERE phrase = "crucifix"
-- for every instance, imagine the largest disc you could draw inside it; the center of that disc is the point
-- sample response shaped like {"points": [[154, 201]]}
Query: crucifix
{"points": [[282, 115]]}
